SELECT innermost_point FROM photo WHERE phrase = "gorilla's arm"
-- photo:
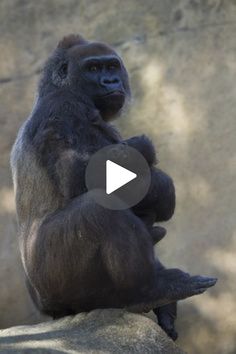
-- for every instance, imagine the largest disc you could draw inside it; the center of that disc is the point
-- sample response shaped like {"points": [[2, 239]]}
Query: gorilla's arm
{"points": [[55, 144]]}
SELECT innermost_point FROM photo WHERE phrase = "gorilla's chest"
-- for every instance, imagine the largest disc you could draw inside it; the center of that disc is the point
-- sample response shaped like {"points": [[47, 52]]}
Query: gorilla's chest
{"points": [[93, 137]]}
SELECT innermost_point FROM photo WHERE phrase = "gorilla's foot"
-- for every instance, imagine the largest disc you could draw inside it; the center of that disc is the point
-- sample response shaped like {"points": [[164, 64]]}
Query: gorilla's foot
{"points": [[178, 285], [171, 285], [166, 316], [157, 233]]}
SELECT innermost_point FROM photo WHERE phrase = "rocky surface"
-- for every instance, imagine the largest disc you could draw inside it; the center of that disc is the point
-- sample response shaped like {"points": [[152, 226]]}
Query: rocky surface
{"points": [[181, 59], [100, 331]]}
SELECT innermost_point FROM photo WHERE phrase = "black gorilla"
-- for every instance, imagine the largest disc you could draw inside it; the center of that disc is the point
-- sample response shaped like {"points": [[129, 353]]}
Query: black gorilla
{"points": [[77, 255]]}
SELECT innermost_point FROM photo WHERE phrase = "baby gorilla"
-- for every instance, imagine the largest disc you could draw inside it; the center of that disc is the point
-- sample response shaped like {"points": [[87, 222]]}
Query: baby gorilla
{"points": [[77, 255]]}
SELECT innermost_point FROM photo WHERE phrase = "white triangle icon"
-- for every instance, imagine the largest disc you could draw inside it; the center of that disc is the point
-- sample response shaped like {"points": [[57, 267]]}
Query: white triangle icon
{"points": [[117, 176]]}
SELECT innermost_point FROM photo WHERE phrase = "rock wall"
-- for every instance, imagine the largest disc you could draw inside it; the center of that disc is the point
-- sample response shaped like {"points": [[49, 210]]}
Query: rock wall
{"points": [[181, 59]]}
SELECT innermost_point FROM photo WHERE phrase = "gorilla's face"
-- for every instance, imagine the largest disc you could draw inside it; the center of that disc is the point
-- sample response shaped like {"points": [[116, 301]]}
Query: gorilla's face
{"points": [[97, 73], [103, 80]]}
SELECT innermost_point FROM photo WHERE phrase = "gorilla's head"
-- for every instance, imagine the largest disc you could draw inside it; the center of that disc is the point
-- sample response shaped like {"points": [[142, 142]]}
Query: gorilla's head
{"points": [[92, 71]]}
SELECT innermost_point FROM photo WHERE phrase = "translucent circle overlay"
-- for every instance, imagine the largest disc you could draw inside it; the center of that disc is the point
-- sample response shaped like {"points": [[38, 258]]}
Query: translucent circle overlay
{"points": [[129, 194]]}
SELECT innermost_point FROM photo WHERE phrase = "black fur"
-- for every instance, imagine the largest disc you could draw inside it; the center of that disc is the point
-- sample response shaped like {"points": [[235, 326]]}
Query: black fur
{"points": [[77, 255]]}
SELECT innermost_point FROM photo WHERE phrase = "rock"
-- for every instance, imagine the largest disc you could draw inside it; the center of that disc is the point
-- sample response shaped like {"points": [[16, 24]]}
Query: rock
{"points": [[100, 331]]}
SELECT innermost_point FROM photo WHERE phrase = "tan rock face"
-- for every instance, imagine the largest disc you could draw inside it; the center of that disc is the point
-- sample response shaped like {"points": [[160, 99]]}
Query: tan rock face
{"points": [[181, 59], [100, 331]]}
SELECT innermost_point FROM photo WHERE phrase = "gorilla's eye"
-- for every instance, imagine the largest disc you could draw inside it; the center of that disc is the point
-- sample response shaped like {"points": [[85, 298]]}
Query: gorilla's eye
{"points": [[113, 66], [93, 68]]}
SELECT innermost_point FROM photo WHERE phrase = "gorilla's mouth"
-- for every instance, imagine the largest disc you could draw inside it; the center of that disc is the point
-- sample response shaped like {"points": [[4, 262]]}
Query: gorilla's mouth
{"points": [[110, 103], [114, 93]]}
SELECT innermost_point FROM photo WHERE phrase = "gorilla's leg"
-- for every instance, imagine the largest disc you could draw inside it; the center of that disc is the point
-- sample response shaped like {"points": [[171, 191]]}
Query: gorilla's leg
{"points": [[128, 255], [166, 316], [95, 258]]}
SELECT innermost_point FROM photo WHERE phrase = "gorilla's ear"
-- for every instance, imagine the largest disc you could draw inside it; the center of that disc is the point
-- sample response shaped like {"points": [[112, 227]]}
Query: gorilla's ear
{"points": [[71, 40], [59, 74]]}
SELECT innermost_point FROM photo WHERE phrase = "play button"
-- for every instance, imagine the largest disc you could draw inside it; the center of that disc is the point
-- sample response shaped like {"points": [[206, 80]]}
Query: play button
{"points": [[117, 177]]}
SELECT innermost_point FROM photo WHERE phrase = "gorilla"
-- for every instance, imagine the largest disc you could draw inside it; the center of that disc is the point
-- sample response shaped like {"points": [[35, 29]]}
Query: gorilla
{"points": [[78, 255]]}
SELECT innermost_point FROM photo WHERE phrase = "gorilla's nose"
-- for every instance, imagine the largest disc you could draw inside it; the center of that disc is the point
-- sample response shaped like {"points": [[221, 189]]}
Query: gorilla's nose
{"points": [[111, 82]]}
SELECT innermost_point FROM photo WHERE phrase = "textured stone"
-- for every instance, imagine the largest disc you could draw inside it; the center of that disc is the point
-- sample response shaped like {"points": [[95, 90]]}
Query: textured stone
{"points": [[100, 331]]}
